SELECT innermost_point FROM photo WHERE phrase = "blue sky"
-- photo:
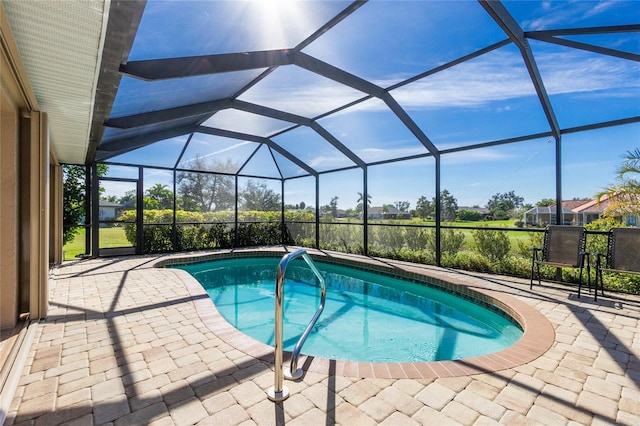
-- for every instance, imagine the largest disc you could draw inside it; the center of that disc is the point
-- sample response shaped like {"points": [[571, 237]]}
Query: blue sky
{"points": [[488, 98]]}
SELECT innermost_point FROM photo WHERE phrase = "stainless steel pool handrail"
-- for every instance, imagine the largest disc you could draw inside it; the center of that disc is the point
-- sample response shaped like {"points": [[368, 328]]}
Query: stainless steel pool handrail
{"points": [[279, 392]]}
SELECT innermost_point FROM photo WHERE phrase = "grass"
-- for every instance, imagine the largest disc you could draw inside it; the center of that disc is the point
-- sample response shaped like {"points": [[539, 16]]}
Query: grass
{"points": [[115, 237], [109, 237]]}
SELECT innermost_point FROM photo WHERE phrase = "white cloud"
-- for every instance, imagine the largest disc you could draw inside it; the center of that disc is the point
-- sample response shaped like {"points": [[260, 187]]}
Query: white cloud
{"points": [[497, 76], [476, 156], [565, 13], [503, 77], [329, 162]]}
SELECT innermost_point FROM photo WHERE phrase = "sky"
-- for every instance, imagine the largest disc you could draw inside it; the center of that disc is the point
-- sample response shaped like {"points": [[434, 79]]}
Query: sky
{"points": [[488, 98]]}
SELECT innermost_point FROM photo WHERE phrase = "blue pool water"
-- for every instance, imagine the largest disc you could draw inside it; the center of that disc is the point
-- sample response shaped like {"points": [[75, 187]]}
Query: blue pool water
{"points": [[367, 316]]}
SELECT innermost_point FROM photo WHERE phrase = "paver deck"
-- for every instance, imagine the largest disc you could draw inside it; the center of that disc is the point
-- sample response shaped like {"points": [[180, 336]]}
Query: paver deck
{"points": [[128, 343]]}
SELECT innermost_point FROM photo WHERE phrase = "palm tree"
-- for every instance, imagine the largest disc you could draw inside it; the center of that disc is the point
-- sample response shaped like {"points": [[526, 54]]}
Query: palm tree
{"points": [[361, 198], [624, 196]]}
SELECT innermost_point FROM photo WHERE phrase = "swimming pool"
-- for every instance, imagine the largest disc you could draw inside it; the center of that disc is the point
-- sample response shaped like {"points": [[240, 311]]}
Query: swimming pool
{"points": [[368, 316]]}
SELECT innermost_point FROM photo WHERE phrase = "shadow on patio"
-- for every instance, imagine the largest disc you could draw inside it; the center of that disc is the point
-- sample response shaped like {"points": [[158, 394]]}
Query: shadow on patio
{"points": [[124, 343]]}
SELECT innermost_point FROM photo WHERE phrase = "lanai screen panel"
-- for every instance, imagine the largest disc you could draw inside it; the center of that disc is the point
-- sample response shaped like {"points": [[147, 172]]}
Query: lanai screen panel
{"points": [[159, 196], [450, 66], [245, 122], [580, 83], [299, 194], [137, 96], [488, 98], [402, 181], [259, 195], [130, 135], [288, 168], [346, 187], [379, 41], [262, 163], [533, 16], [300, 92], [610, 144], [216, 154], [191, 28], [163, 153], [373, 132], [526, 168], [316, 151]]}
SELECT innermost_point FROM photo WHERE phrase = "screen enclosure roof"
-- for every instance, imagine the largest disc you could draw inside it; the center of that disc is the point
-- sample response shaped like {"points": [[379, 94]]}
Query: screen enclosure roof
{"points": [[295, 88]]}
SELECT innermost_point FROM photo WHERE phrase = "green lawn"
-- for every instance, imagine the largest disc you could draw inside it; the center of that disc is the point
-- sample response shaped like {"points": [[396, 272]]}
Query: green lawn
{"points": [[109, 237], [115, 237]]}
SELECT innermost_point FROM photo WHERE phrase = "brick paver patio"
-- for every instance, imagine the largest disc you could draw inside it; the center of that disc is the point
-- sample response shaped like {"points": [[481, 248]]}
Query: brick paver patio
{"points": [[128, 343]]}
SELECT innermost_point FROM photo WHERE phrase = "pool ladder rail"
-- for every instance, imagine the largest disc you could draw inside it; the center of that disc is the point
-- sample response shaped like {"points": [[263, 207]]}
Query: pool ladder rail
{"points": [[279, 392]]}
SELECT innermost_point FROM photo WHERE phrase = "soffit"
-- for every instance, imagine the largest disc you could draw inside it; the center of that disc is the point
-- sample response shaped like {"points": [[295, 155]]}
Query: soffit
{"points": [[60, 44]]}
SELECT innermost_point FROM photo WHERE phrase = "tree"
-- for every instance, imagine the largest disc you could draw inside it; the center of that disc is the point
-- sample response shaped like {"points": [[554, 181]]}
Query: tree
{"points": [[503, 205], [424, 208], [448, 205], [206, 191], [150, 204], [302, 205], [360, 205], [74, 198], [625, 194], [546, 202], [257, 196], [128, 200], [403, 206], [159, 195], [361, 198], [334, 206]]}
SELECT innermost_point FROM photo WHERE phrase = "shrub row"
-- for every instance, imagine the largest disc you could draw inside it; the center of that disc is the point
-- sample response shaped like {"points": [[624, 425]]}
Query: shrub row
{"points": [[490, 250]]}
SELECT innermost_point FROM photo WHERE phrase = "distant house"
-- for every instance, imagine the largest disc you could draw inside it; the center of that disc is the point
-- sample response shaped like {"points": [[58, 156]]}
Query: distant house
{"points": [[574, 212], [390, 213], [593, 210], [109, 210], [541, 216]]}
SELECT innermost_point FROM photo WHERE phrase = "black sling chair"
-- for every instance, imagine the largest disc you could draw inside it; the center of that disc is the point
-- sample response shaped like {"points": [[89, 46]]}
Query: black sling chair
{"points": [[623, 255], [564, 247]]}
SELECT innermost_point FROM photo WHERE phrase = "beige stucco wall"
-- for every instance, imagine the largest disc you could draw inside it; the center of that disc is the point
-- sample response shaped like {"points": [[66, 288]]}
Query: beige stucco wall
{"points": [[8, 212]]}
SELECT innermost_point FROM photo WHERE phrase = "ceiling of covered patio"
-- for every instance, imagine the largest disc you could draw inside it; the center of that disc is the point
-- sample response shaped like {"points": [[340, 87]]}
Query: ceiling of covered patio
{"points": [[286, 89]]}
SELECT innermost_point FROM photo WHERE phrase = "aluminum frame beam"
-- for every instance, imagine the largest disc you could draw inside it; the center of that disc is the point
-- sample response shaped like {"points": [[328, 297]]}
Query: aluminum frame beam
{"points": [[156, 117], [259, 139], [584, 46], [170, 114], [124, 18], [300, 120], [503, 18], [336, 74], [169, 68], [124, 145]]}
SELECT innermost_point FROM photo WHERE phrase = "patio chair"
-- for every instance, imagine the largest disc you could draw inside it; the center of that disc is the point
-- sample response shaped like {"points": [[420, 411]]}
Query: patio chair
{"points": [[563, 247], [622, 255]]}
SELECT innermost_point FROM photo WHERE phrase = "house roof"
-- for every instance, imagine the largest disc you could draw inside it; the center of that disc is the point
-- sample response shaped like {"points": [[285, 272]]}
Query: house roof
{"points": [[109, 204], [594, 206], [573, 204], [547, 210], [380, 210]]}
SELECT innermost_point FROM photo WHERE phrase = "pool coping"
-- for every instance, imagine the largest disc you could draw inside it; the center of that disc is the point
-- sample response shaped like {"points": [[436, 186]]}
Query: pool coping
{"points": [[537, 338]]}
